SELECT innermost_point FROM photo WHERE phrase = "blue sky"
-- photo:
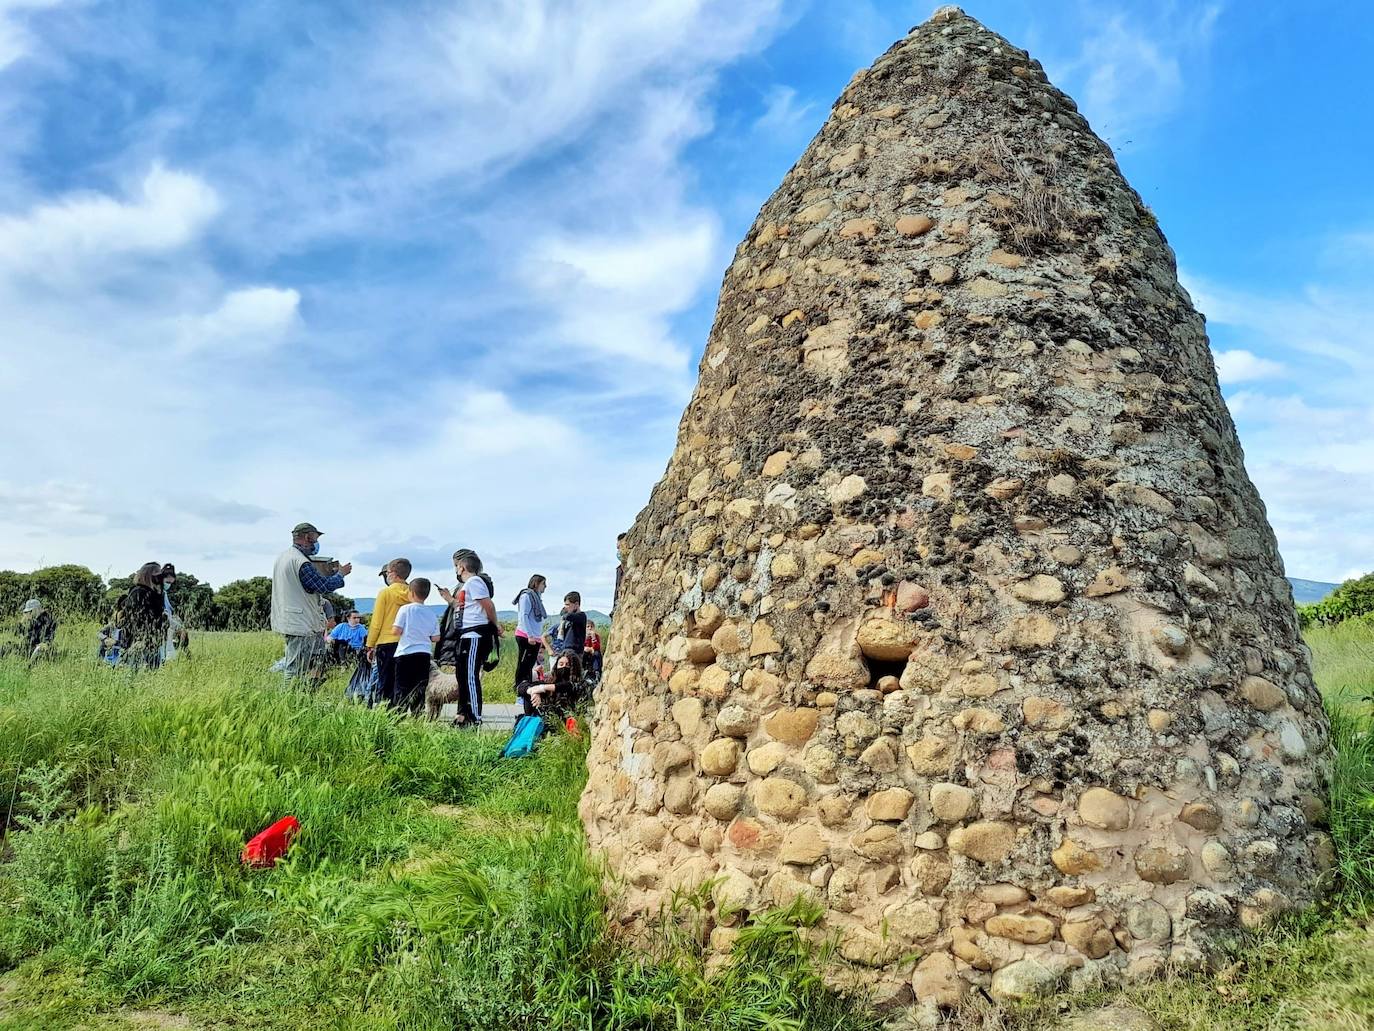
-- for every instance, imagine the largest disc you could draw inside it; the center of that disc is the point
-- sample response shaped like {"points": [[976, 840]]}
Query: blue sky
{"points": [[439, 274]]}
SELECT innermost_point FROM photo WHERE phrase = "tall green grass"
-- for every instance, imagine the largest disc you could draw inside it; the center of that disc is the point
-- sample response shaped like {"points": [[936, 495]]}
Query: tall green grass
{"points": [[1343, 664], [433, 884]]}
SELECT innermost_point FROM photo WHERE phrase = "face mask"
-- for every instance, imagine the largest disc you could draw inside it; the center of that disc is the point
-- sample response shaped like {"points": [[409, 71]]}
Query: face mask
{"points": [[314, 549]]}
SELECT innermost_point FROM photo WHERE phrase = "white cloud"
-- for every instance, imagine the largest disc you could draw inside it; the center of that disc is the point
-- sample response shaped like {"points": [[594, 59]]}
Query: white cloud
{"points": [[253, 318], [388, 117], [665, 263], [15, 39], [782, 115], [1127, 76], [511, 77], [615, 295], [52, 505], [95, 383], [522, 163], [169, 210], [1128, 73], [1313, 463], [1304, 415], [1332, 324], [1319, 511], [219, 510], [1239, 365], [484, 427]]}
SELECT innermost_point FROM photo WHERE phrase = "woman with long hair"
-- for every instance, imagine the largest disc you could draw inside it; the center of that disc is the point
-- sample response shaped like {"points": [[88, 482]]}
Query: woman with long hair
{"points": [[143, 617], [529, 627], [555, 697]]}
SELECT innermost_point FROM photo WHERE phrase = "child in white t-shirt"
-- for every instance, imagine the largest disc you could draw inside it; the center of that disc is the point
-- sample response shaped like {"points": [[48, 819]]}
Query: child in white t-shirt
{"points": [[477, 635], [418, 628]]}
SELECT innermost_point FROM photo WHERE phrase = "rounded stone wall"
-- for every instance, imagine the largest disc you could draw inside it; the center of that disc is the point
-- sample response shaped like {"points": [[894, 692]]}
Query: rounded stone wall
{"points": [[955, 610]]}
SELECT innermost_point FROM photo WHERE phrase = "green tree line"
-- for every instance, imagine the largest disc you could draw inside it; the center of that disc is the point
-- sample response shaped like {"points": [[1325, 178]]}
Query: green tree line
{"points": [[74, 592], [1352, 598]]}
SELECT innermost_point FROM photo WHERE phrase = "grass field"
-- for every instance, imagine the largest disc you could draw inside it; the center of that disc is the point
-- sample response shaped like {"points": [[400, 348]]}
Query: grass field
{"points": [[436, 886]]}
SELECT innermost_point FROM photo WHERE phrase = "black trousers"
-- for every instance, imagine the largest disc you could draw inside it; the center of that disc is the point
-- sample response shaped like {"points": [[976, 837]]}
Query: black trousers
{"points": [[473, 649], [412, 674], [527, 651], [386, 672]]}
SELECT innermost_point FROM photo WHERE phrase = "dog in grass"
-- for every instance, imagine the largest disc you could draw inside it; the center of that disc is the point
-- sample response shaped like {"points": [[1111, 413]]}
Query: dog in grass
{"points": [[440, 691]]}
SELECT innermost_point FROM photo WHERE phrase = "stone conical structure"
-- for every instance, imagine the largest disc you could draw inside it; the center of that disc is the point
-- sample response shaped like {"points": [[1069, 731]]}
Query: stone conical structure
{"points": [[955, 609]]}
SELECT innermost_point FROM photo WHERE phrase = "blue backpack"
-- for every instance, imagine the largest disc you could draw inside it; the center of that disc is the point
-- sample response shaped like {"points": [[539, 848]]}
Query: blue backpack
{"points": [[521, 743]]}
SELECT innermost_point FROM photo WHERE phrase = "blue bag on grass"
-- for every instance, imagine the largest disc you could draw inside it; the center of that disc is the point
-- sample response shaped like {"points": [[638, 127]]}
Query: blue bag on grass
{"points": [[521, 743]]}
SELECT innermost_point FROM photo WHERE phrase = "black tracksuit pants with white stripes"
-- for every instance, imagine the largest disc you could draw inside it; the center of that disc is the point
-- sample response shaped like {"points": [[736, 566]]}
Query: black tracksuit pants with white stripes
{"points": [[473, 650]]}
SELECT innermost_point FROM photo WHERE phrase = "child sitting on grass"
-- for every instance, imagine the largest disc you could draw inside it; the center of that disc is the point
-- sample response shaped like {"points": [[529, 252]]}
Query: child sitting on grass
{"points": [[552, 696], [418, 629]]}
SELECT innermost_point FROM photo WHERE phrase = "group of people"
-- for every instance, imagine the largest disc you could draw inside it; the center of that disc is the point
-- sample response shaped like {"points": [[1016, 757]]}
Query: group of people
{"points": [[406, 642], [145, 631], [574, 648]]}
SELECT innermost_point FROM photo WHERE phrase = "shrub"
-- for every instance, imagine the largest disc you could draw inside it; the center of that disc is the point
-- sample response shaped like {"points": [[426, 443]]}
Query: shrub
{"points": [[1351, 599]]}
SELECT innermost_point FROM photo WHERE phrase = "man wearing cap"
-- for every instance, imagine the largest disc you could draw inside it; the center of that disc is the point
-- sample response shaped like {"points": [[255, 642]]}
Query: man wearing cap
{"points": [[298, 603], [381, 640]]}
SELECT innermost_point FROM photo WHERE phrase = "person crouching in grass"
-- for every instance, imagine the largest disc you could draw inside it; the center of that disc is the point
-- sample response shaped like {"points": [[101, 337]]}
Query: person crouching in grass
{"points": [[417, 628]]}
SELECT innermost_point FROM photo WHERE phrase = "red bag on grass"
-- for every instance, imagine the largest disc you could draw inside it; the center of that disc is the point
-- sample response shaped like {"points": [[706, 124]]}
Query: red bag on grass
{"points": [[270, 845], [570, 725]]}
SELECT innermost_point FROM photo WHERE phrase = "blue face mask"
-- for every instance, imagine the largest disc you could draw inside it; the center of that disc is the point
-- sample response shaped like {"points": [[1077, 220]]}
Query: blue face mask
{"points": [[314, 549]]}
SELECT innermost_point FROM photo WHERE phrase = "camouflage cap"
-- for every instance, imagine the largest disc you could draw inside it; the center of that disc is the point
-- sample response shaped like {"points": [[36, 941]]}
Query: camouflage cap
{"points": [[301, 528]]}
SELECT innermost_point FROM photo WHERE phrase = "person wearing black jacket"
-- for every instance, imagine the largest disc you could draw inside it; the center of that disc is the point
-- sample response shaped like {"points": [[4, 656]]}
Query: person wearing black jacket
{"points": [[143, 617], [555, 698], [572, 631]]}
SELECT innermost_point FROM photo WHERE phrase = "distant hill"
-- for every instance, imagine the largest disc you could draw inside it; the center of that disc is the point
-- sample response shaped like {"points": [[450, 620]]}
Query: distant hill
{"points": [[1305, 592], [364, 605], [508, 615]]}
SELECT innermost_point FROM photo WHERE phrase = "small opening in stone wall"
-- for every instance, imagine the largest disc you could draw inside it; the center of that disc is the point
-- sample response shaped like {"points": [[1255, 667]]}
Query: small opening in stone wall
{"points": [[879, 668]]}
